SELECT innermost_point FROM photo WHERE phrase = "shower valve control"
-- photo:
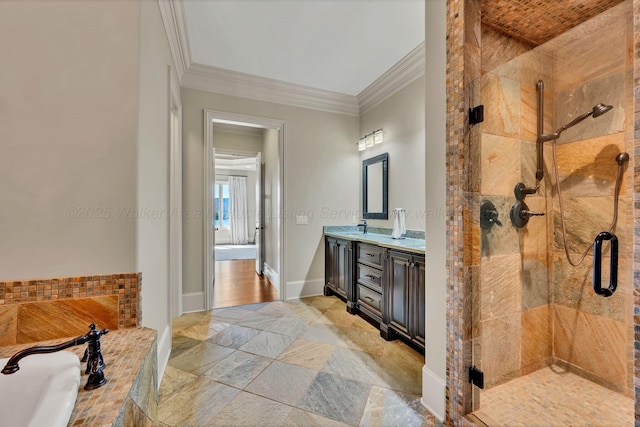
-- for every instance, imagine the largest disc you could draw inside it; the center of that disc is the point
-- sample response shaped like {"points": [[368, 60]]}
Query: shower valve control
{"points": [[488, 215], [521, 191], [520, 214]]}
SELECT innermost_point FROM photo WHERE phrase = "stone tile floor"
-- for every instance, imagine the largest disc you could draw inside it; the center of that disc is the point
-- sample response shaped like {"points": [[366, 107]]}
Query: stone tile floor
{"points": [[554, 397], [299, 363]]}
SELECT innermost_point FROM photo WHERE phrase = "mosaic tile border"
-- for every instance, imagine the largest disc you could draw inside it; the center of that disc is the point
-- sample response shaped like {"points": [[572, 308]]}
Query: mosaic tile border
{"points": [[126, 285]]}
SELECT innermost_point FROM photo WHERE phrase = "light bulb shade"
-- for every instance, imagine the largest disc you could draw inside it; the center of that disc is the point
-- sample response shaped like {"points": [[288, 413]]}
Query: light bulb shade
{"points": [[369, 139], [377, 137], [362, 144]]}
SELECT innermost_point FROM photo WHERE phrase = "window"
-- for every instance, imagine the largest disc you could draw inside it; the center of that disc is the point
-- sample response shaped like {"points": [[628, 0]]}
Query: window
{"points": [[221, 200]]}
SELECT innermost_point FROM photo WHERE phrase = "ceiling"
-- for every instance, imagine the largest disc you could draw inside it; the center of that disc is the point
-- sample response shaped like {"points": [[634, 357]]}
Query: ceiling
{"points": [[340, 46], [538, 21]]}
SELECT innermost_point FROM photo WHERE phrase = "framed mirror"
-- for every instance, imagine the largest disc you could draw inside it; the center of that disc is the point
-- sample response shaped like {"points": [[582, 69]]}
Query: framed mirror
{"points": [[375, 186]]}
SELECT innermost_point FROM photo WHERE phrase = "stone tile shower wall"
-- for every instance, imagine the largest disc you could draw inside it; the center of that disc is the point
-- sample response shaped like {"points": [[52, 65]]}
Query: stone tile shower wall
{"points": [[593, 335], [524, 322], [514, 316], [464, 65]]}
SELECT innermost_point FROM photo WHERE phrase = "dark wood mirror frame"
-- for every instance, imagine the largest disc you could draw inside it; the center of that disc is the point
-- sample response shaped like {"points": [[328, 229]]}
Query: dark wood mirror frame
{"points": [[384, 159]]}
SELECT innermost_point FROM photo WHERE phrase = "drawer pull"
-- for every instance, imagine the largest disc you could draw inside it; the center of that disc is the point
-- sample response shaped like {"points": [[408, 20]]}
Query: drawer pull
{"points": [[370, 254], [368, 299], [370, 276]]}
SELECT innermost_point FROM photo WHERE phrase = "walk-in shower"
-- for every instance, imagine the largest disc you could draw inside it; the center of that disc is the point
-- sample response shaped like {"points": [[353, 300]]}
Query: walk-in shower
{"points": [[545, 338]]}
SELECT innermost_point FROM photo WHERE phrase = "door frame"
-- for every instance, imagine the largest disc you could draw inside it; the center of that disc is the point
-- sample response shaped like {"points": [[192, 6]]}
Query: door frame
{"points": [[211, 117], [175, 197]]}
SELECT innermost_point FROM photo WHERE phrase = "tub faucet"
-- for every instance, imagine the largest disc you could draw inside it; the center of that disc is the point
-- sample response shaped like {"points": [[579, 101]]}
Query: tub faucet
{"points": [[92, 355], [364, 225]]}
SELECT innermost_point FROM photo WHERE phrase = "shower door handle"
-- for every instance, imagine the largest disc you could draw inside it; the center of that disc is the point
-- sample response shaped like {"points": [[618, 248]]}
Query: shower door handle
{"points": [[597, 264]]}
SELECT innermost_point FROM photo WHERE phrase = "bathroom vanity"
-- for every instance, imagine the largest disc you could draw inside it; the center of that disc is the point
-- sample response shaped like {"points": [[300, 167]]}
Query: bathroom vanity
{"points": [[379, 278]]}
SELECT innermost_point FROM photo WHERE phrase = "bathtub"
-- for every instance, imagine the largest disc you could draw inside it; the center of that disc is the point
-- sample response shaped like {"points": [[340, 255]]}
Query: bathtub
{"points": [[42, 393]]}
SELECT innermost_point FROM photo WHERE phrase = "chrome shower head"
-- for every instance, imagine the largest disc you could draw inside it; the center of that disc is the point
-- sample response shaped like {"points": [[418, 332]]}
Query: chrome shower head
{"points": [[600, 109]]}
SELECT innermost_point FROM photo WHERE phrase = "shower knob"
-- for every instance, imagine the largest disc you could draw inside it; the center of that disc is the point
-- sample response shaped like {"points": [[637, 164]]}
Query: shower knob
{"points": [[520, 214], [488, 215], [521, 191]]}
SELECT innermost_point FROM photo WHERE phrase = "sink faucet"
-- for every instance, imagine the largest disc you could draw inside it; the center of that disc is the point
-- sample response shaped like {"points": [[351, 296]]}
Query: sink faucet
{"points": [[92, 355], [364, 225]]}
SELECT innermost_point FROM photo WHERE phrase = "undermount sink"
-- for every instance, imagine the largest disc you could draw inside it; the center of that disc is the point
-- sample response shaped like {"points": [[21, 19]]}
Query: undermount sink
{"points": [[43, 392]]}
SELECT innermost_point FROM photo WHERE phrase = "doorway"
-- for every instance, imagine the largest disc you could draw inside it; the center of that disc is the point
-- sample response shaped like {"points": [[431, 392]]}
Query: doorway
{"points": [[238, 201], [243, 256]]}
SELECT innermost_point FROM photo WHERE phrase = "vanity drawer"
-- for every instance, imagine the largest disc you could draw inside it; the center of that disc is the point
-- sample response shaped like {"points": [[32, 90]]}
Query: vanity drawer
{"points": [[371, 298], [370, 254], [372, 277]]}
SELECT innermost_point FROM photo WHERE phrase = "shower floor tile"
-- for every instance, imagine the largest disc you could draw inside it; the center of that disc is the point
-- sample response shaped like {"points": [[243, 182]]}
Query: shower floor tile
{"points": [[553, 397]]}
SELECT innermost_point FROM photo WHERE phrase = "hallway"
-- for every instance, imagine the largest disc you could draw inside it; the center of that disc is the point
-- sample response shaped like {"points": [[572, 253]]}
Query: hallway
{"points": [[238, 284], [299, 363]]}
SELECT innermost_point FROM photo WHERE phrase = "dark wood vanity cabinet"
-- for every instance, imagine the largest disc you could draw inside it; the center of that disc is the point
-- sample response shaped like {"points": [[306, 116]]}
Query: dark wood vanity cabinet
{"points": [[338, 270], [385, 286], [369, 279], [404, 297]]}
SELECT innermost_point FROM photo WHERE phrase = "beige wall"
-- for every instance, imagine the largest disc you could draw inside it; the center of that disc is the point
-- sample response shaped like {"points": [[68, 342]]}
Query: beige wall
{"points": [[153, 177], [320, 163], [84, 97], [69, 107], [236, 142], [402, 118]]}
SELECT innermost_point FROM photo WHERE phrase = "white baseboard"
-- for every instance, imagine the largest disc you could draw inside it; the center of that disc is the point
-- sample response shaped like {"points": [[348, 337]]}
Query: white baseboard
{"points": [[164, 351], [193, 301], [304, 288], [271, 274], [434, 391]]}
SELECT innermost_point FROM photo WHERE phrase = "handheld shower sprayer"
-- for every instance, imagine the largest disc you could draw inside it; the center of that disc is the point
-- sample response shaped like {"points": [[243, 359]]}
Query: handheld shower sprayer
{"points": [[596, 111]]}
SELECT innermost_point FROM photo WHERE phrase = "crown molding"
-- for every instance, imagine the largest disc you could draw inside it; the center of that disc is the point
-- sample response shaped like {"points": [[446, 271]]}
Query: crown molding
{"points": [[172, 12], [227, 82], [397, 77]]}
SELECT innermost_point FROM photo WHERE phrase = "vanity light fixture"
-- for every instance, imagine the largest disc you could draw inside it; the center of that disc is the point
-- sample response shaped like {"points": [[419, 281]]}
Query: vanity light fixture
{"points": [[362, 144], [370, 140]]}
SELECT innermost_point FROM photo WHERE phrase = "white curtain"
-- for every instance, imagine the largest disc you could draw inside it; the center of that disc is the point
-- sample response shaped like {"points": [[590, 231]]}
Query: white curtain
{"points": [[238, 210]]}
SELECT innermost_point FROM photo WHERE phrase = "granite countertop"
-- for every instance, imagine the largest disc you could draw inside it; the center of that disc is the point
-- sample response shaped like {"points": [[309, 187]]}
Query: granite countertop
{"points": [[414, 242]]}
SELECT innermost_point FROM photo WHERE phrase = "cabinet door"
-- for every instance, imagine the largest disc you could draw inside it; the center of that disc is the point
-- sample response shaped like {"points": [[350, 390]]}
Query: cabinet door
{"points": [[330, 261], [418, 284], [341, 263], [399, 291]]}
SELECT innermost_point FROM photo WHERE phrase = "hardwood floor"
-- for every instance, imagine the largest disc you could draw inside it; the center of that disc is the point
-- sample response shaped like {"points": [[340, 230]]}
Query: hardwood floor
{"points": [[238, 284]]}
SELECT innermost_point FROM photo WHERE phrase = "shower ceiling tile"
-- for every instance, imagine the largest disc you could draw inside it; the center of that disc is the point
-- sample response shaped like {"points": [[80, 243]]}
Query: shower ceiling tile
{"points": [[537, 22]]}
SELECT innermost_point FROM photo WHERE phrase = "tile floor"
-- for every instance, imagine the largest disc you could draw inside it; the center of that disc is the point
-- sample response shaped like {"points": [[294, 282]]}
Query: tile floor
{"points": [[553, 397], [300, 363]]}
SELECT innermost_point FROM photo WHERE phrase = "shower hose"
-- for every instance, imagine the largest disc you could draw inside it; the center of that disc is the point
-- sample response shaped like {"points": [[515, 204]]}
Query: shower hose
{"points": [[564, 229]]}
